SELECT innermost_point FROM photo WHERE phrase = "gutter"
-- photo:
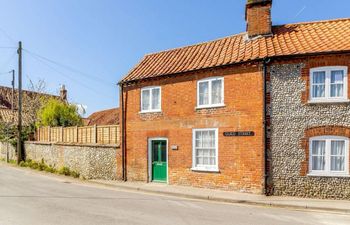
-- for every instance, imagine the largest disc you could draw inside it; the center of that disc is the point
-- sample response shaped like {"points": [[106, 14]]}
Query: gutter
{"points": [[266, 61]]}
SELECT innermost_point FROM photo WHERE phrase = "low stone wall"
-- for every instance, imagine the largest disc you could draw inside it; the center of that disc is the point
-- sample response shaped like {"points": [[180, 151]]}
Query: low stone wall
{"points": [[7, 151], [91, 161]]}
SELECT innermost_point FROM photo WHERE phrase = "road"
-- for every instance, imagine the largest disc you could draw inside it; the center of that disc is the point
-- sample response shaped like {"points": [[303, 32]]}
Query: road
{"points": [[27, 197]]}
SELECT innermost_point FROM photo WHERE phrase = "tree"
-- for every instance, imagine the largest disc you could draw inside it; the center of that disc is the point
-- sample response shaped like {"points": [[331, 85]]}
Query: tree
{"points": [[57, 113], [33, 100]]}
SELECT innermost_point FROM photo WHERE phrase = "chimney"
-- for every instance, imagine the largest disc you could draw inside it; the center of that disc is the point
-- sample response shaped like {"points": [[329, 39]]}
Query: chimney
{"points": [[258, 17], [63, 93]]}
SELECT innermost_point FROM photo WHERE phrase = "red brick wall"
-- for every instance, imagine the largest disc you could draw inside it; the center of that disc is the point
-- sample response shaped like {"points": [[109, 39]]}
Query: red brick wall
{"points": [[241, 159]]}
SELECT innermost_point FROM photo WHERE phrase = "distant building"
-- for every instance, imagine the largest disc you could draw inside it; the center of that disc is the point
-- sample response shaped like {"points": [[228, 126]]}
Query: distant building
{"points": [[9, 116], [104, 117]]}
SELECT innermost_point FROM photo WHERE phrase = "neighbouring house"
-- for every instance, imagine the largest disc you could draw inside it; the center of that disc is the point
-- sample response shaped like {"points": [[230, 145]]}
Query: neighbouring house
{"points": [[31, 102], [103, 117], [263, 111]]}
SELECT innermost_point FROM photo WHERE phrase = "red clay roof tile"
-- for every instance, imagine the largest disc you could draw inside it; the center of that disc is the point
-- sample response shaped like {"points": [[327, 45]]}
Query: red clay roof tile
{"points": [[289, 39]]}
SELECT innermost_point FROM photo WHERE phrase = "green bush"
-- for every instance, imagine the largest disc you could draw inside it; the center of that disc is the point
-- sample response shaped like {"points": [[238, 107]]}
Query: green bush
{"points": [[57, 113], [42, 166], [64, 171], [75, 174]]}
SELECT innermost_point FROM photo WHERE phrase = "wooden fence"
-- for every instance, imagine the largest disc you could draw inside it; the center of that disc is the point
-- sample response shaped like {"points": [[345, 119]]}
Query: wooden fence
{"points": [[84, 135]]}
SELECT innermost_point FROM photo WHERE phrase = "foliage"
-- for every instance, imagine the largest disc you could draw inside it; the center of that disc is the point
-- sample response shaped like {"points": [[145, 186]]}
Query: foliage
{"points": [[34, 99], [57, 113], [67, 172], [42, 166], [8, 133]]}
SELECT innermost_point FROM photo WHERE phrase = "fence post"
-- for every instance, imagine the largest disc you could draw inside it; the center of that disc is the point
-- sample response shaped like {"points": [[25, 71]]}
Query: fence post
{"points": [[61, 134], [49, 133], [76, 134], [95, 134]]}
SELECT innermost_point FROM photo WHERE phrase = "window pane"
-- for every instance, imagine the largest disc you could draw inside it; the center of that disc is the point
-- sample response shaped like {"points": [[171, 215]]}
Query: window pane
{"points": [[337, 83], [163, 152], [318, 147], [211, 139], [337, 155], [337, 163], [203, 93], [318, 155], [319, 77], [318, 91], [156, 98], [216, 97], [206, 139], [318, 162], [318, 84], [338, 148], [155, 151], [145, 99], [198, 135]]}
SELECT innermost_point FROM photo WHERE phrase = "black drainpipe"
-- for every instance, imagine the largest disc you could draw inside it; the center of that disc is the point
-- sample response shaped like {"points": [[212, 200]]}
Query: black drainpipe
{"points": [[266, 61], [122, 131]]}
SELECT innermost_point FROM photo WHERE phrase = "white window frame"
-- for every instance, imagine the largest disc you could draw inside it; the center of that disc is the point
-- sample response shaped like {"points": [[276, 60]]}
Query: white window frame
{"points": [[327, 171], [150, 99], [210, 80], [328, 98], [213, 168]]}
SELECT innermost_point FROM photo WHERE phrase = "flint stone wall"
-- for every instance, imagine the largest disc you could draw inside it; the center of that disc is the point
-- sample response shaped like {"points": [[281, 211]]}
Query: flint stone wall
{"points": [[91, 161], [7, 151], [289, 119]]}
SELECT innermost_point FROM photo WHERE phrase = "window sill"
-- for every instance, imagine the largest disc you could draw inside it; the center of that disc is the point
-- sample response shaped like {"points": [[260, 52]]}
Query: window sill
{"points": [[327, 175], [329, 101], [214, 170], [155, 111], [210, 106]]}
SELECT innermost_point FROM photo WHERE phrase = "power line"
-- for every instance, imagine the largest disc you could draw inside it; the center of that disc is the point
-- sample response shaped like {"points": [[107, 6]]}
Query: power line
{"points": [[69, 68], [69, 77], [6, 73], [7, 35], [8, 60]]}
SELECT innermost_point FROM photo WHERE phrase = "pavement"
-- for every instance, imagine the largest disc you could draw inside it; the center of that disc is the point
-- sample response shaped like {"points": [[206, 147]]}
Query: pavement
{"points": [[232, 197], [31, 197]]}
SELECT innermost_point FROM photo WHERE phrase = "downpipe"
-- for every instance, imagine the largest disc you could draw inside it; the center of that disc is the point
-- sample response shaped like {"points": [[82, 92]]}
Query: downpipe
{"points": [[266, 61]]}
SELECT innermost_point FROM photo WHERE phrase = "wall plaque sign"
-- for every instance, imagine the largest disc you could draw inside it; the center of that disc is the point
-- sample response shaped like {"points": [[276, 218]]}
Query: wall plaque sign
{"points": [[238, 133]]}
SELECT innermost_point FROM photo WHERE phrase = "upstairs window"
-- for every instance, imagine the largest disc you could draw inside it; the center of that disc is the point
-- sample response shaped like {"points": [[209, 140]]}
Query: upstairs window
{"points": [[150, 99], [210, 92], [329, 155], [328, 84]]}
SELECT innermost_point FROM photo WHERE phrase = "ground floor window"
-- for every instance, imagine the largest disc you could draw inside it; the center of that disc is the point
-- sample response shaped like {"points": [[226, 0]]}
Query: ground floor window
{"points": [[205, 149], [329, 155]]}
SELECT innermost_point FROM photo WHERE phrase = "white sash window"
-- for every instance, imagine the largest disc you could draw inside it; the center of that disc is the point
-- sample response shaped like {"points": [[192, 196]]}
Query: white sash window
{"points": [[329, 155], [328, 84]]}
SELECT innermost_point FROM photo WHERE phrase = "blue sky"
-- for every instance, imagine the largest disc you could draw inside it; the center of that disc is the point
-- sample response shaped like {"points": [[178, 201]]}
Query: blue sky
{"points": [[100, 40]]}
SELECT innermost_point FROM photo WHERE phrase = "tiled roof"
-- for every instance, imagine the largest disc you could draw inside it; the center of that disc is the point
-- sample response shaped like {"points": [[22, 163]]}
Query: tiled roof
{"points": [[291, 39], [6, 96], [6, 116], [105, 117]]}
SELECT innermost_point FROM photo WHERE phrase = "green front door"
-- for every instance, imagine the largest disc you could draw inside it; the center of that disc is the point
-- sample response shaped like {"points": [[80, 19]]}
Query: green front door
{"points": [[159, 160]]}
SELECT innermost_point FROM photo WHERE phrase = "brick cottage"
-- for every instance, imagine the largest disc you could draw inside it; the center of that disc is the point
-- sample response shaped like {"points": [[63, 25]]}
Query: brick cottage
{"points": [[264, 111]]}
